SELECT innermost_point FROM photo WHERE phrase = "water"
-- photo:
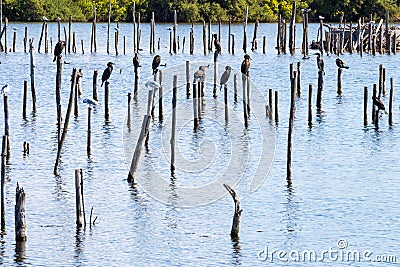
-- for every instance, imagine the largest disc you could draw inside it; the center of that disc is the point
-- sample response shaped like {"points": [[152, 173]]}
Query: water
{"points": [[344, 175]]}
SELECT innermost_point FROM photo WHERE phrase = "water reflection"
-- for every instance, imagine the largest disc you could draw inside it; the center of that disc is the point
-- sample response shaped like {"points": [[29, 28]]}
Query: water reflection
{"points": [[20, 256], [236, 254], [79, 245]]}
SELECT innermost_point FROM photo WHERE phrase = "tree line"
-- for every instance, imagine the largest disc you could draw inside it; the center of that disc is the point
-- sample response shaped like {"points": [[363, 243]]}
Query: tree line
{"points": [[196, 10]]}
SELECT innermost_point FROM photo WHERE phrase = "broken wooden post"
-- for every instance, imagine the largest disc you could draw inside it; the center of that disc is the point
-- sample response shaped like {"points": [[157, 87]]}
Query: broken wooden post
{"points": [[58, 95], [215, 78], [3, 183], [384, 81], [46, 43], [321, 40], [320, 88], [391, 102], [245, 31], [270, 105], [264, 43], [20, 215], [365, 105], [229, 35], [204, 38], [173, 129], [175, 30], [238, 213], [78, 199], [310, 105], [380, 82], [233, 44], [298, 87], [278, 36], [93, 46], [24, 99], [106, 100], [6, 123], [254, 42], [290, 130], [25, 39], [32, 68], [14, 40]]}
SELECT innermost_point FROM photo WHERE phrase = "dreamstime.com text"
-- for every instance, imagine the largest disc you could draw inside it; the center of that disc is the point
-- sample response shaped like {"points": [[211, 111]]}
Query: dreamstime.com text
{"points": [[340, 253]]}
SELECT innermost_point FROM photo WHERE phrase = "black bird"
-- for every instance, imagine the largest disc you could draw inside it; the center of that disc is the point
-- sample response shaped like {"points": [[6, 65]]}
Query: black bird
{"points": [[378, 103], [225, 76], [340, 63], [217, 44], [155, 64], [107, 73], [320, 62], [245, 65], [58, 49], [136, 61]]}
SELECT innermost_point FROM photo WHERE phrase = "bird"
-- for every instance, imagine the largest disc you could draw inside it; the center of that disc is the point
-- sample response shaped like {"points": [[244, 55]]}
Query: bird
{"points": [[15, 29], [378, 103], [305, 10], [341, 64], [155, 64], [225, 76], [58, 19], [90, 101], [217, 43], [116, 29], [136, 61], [245, 65], [107, 72], [5, 89], [58, 49], [151, 83], [320, 62], [321, 17], [45, 19], [169, 29], [199, 75]]}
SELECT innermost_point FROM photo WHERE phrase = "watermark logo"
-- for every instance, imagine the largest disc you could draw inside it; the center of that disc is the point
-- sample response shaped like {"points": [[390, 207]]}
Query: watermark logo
{"points": [[338, 253], [218, 152]]}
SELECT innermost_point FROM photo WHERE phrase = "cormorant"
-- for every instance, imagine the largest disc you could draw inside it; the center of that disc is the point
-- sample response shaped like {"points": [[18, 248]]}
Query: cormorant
{"points": [[5, 89], [245, 65], [217, 44], [107, 73], [136, 61], [341, 64], [155, 64], [320, 62], [90, 101], [58, 49], [199, 75], [225, 76], [378, 103]]}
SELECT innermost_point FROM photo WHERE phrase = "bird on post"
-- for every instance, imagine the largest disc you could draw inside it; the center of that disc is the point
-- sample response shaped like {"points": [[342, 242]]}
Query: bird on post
{"points": [[156, 64], [217, 44], [379, 103], [60, 45], [90, 101], [245, 65], [107, 72], [341, 64], [136, 61], [199, 75], [320, 63], [225, 76], [5, 89]]}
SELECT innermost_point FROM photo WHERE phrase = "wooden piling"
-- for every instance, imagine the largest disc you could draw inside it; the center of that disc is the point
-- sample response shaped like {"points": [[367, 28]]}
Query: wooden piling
{"points": [[350, 47], [14, 40], [46, 34], [195, 107], [160, 98], [278, 37], [391, 103], [75, 74], [290, 131], [270, 105], [310, 105], [235, 89], [254, 42], [374, 93], [245, 30], [365, 105], [108, 28], [264, 43], [41, 37], [173, 129], [233, 44], [226, 103], [95, 74], [339, 82], [25, 39], [25, 97], [93, 45], [292, 30], [76, 100], [106, 100], [387, 34], [58, 95], [136, 82], [384, 81], [78, 199], [66, 40], [3, 182], [74, 42], [199, 100], [229, 35], [175, 30], [248, 93], [20, 215], [204, 38], [236, 216], [69, 34], [187, 78], [116, 42], [83, 50], [276, 108], [320, 88], [134, 26], [209, 37], [380, 82], [298, 82], [244, 80], [321, 40], [215, 79], [32, 68], [89, 131], [6, 123], [138, 31]]}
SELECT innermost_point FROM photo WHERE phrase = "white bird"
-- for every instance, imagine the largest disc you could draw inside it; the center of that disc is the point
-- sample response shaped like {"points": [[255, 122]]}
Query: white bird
{"points": [[152, 83], [321, 17], [58, 19], [305, 10], [45, 19], [90, 101], [5, 89]]}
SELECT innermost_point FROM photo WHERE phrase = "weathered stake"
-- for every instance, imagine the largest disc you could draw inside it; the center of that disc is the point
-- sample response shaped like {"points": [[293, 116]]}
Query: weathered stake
{"points": [[310, 105], [238, 213], [391, 102], [25, 99], [20, 215], [173, 129], [365, 105], [290, 130], [32, 65], [106, 100], [95, 74], [78, 199], [89, 131], [3, 183]]}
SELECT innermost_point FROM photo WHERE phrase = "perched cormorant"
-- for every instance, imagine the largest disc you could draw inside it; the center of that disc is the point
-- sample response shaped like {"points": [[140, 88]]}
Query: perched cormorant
{"points": [[5, 89], [107, 73], [320, 62], [136, 61], [199, 75], [225, 76], [155, 64], [217, 45], [90, 101], [58, 49], [378, 103], [340, 63], [245, 65]]}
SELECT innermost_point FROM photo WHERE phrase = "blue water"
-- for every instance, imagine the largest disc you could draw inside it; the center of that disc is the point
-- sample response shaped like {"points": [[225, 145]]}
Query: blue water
{"points": [[344, 175]]}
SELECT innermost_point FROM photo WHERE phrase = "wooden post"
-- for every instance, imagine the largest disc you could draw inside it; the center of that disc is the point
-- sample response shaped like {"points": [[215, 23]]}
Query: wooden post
{"points": [[187, 78], [360, 38], [373, 106], [66, 39], [154, 33], [134, 26], [384, 81], [41, 37], [195, 106], [244, 80], [175, 30], [78, 199], [89, 131], [351, 39], [387, 30], [292, 31], [278, 37], [138, 33], [58, 95], [3, 183], [320, 89], [32, 68], [6, 123], [199, 99], [209, 37], [75, 74], [204, 38], [14, 40], [160, 98], [95, 74], [124, 45], [76, 107], [69, 33], [298, 88], [46, 43], [20, 215], [229, 35], [248, 93], [25, 39], [116, 42], [339, 82], [245, 30], [136, 82], [365, 105], [235, 89], [93, 46], [106, 100], [270, 100], [108, 28], [173, 129], [25, 99], [170, 42], [233, 44], [238, 213], [380, 83], [254, 42], [83, 50], [276, 108], [215, 79], [226, 103], [310, 105], [290, 131], [391, 102], [321, 40]]}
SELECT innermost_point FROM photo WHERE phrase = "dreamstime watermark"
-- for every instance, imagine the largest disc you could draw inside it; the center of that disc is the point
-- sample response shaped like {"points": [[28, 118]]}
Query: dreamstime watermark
{"points": [[339, 253], [218, 152]]}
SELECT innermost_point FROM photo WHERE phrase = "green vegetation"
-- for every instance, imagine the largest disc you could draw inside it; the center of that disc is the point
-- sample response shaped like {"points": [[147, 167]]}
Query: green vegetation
{"points": [[195, 10]]}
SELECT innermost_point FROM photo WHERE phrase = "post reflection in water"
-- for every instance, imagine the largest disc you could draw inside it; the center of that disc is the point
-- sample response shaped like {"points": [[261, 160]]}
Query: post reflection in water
{"points": [[20, 256], [79, 245], [236, 255]]}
